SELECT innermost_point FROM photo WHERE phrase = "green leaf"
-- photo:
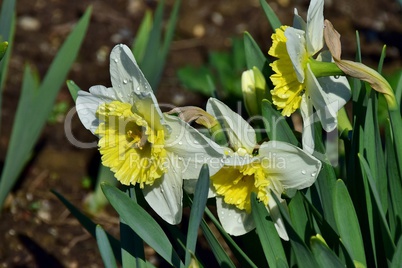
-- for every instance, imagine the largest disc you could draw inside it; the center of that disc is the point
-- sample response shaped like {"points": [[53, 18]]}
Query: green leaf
{"points": [[197, 210], [141, 39], [196, 79], [298, 215], [276, 126], [396, 124], [3, 49], [7, 30], [395, 80], [326, 180], [41, 101], [219, 252], [269, 238], [105, 249], [271, 16], [323, 254], [397, 258], [372, 148], [302, 253], [388, 243], [254, 55], [132, 246], [394, 179], [237, 251], [347, 222], [156, 51], [73, 88], [89, 225], [142, 224]]}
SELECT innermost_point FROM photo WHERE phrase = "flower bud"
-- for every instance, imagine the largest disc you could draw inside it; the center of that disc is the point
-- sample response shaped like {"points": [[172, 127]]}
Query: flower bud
{"points": [[254, 90]]}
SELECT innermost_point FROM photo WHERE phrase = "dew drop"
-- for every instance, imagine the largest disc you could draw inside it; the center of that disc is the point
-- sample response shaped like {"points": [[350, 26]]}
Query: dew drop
{"points": [[116, 60], [124, 81], [196, 142], [180, 143], [313, 174], [336, 76], [303, 172], [138, 89], [168, 129]]}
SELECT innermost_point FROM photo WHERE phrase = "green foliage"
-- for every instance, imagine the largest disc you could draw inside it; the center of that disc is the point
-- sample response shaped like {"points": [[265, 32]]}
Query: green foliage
{"points": [[220, 77], [35, 106], [150, 45], [350, 217]]}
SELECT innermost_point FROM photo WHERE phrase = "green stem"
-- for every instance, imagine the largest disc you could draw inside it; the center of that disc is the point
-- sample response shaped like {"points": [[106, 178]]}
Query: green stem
{"points": [[324, 69], [343, 121]]}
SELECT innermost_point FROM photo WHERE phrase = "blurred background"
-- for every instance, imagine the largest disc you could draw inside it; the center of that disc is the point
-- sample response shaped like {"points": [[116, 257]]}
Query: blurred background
{"points": [[35, 227]]}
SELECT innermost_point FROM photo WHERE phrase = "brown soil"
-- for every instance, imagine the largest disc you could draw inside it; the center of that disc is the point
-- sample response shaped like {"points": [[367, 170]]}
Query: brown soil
{"points": [[36, 230]]}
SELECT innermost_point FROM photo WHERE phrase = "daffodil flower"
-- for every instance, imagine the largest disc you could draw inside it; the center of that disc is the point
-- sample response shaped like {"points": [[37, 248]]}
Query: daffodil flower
{"points": [[247, 167], [304, 74], [139, 143]]}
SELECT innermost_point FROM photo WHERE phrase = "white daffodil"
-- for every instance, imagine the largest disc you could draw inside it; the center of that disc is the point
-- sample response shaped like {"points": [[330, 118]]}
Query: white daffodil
{"points": [[272, 166], [304, 75], [139, 143]]}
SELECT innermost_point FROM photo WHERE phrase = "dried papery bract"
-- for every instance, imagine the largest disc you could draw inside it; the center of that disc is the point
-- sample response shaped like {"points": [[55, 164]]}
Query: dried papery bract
{"points": [[194, 114], [357, 69]]}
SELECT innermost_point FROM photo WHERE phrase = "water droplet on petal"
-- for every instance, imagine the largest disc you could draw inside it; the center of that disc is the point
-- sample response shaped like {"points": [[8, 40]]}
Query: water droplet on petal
{"points": [[116, 60], [196, 142], [303, 172], [124, 81], [337, 76], [138, 89], [180, 142], [313, 174], [168, 129]]}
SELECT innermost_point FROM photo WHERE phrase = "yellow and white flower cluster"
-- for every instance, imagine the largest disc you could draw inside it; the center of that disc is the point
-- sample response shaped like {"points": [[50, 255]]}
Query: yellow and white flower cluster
{"points": [[160, 152]]}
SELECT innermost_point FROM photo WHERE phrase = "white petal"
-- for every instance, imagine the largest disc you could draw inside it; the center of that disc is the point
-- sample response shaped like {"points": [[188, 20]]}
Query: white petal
{"points": [[239, 132], [126, 76], [306, 109], [327, 101], [298, 22], [192, 148], [296, 47], [165, 196], [234, 221], [289, 165], [236, 160], [86, 106], [105, 94], [315, 26], [336, 88], [276, 217]]}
